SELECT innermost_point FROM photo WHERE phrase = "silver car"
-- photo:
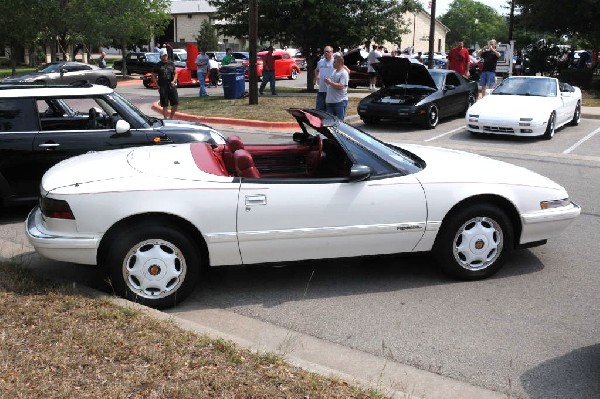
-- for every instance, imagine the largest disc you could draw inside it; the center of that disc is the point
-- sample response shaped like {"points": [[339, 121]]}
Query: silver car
{"points": [[65, 72]]}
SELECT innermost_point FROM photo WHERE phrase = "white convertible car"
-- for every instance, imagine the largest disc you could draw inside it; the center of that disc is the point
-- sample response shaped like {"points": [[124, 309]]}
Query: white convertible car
{"points": [[155, 216], [526, 106]]}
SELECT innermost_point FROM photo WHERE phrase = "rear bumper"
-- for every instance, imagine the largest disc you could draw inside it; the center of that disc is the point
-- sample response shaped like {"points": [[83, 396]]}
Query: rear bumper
{"points": [[59, 246]]}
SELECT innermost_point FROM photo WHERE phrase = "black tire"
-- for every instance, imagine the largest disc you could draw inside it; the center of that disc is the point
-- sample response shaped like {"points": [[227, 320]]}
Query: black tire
{"points": [[470, 101], [146, 84], [576, 115], [103, 81], [433, 116], [474, 242], [293, 74], [153, 264], [551, 127]]}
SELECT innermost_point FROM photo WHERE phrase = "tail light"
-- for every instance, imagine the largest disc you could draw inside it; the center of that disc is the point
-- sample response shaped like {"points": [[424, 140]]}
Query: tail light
{"points": [[57, 209]]}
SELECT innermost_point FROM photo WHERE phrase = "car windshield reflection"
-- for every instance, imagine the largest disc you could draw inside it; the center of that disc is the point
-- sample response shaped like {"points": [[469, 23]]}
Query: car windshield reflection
{"points": [[53, 67], [527, 86]]}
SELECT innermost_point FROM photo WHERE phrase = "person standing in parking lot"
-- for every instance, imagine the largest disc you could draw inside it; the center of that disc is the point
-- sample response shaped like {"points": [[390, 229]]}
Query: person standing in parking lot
{"points": [[165, 75], [202, 64], [229, 58], [268, 73], [213, 70], [337, 90], [490, 56], [323, 71], [373, 58], [459, 59]]}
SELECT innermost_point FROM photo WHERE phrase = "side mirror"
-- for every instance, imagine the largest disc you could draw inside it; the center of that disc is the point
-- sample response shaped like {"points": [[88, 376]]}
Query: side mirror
{"points": [[449, 87], [360, 172], [299, 137], [122, 126]]}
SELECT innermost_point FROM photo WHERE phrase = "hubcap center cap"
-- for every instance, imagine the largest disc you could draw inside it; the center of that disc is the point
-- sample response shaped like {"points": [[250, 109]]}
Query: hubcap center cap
{"points": [[154, 270]]}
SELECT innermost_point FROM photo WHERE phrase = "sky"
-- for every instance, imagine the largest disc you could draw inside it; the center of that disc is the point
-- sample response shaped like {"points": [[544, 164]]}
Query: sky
{"points": [[441, 6]]}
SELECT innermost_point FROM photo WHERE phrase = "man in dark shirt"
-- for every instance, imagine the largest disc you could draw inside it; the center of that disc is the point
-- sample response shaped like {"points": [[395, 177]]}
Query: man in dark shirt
{"points": [[490, 57], [165, 74]]}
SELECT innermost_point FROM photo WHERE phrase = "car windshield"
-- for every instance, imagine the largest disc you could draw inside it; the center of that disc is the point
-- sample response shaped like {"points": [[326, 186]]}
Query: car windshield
{"points": [[396, 156], [438, 78], [182, 56], [133, 112], [527, 86], [152, 57], [53, 67]]}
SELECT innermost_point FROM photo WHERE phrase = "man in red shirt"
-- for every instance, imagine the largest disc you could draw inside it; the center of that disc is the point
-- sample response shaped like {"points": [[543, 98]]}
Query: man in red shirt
{"points": [[268, 73], [458, 59]]}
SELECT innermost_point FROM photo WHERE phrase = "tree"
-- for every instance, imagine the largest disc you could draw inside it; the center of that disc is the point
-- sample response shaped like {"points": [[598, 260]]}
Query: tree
{"points": [[17, 30], [133, 21], [473, 22], [564, 17], [207, 36], [312, 24]]}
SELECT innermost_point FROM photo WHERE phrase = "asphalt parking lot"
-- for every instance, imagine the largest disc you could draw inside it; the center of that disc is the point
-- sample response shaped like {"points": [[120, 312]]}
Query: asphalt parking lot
{"points": [[531, 331]]}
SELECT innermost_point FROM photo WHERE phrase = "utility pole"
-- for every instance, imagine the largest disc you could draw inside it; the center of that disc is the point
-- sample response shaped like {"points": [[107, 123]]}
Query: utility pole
{"points": [[253, 38], [511, 20], [431, 36]]}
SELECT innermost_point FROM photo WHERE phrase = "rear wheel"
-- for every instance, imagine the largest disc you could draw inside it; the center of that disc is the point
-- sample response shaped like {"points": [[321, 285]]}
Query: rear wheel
{"points": [[474, 242], [103, 81], [551, 127], [433, 116], [576, 115], [153, 264], [293, 75]]}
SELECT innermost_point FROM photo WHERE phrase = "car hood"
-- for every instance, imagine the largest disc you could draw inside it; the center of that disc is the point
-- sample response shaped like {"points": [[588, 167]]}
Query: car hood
{"points": [[400, 70], [516, 106], [24, 78], [445, 165]]}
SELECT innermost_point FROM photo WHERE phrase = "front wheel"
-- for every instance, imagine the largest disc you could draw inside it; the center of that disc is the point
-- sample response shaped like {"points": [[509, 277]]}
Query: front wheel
{"points": [[293, 75], [433, 117], [157, 266], [551, 127], [576, 115], [474, 242]]}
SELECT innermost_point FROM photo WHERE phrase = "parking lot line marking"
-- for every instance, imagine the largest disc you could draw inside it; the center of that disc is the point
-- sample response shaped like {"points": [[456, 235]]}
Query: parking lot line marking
{"points": [[583, 140], [444, 134]]}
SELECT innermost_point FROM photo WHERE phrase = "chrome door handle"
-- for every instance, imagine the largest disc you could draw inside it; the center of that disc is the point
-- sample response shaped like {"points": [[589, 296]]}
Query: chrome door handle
{"points": [[259, 199], [49, 145]]}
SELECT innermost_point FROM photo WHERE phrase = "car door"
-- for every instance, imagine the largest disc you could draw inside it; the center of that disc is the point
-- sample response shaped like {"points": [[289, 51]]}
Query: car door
{"points": [[71, 132], [284, 220], [280, 66], [75, 73], [19, 172], [454, 97]]}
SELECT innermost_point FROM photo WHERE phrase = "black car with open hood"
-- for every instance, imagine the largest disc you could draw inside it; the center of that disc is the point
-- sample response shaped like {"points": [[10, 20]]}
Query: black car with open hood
{"points": [[413, 93]]}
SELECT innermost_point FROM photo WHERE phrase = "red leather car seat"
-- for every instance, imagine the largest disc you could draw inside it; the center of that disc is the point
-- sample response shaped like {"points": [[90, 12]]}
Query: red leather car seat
{"points": [[233, 143], [244, 164]]}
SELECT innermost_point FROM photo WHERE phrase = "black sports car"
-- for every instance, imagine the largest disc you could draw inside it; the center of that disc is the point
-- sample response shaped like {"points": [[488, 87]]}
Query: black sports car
{"points": [[416, 94]]}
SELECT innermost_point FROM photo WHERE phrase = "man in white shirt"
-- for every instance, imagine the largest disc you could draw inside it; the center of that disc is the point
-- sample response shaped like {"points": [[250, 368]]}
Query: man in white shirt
{"points": [[373, 58], [337, 90], [323, 71]]}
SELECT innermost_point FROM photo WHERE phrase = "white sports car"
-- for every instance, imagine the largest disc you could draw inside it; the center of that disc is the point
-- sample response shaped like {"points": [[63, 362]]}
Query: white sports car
{"points": [[526, 106], [155, 216]]}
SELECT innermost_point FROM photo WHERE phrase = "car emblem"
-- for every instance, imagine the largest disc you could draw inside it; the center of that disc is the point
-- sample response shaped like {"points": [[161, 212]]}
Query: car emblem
{"points": [[154, 270], [479, 244]]}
